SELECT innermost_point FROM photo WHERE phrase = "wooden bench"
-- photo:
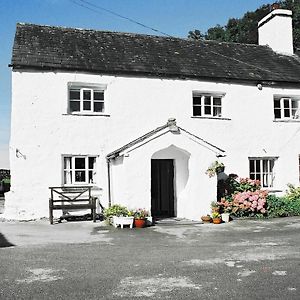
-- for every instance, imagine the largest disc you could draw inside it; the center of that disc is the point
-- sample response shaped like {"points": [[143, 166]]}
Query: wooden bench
{"points": [[71, 198]]}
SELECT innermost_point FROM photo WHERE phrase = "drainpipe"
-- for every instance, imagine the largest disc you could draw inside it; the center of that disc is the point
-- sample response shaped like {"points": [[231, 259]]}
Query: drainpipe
{"points": [[109, 182]]}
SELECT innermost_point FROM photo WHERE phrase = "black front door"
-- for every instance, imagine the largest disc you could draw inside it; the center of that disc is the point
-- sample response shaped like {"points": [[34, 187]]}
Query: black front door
{"points": [[162, 188]]}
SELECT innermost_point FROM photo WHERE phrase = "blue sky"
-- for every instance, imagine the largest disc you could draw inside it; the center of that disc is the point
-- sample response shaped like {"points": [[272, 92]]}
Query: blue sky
{"points": [[175, 17]]}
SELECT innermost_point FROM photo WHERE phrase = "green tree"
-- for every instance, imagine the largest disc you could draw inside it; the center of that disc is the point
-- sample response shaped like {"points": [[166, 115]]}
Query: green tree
{"points": [[244, 30]]}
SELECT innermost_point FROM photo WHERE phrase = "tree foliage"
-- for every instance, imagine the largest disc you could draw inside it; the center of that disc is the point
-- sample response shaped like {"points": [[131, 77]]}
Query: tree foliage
{"points": [[244, 30]]}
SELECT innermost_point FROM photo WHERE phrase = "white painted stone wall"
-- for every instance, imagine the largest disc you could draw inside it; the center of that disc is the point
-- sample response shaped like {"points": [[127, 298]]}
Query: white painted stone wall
{"points": [[43, 131]]}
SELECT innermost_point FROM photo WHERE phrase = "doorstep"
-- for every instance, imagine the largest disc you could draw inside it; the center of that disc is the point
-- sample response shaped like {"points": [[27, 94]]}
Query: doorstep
{"points": [[175, 221]]}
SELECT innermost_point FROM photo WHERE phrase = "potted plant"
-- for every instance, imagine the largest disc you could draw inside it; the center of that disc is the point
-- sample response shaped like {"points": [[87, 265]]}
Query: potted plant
{"points": [[118, 215], [215, 207], [216, 218], [140, 217], [215, 168], [226, 215], [206, 219]]}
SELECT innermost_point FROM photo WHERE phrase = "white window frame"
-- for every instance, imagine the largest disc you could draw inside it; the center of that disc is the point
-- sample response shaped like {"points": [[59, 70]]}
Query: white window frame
{"points": [[266, 170], [211, 106], [82, 87], [71, 170], [294, 113]]}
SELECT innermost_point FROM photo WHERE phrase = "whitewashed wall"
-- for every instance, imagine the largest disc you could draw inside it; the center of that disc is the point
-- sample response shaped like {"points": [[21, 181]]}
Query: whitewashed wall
{"points": [[43, 131]]}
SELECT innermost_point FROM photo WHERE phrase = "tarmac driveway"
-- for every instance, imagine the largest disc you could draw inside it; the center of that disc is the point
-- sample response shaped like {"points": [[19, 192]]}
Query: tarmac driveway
{"points": [[245, 259]]}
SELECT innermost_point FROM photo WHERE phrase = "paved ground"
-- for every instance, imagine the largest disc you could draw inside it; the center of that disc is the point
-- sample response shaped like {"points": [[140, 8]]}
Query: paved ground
{"points": [[1, 204], [246, 259]]}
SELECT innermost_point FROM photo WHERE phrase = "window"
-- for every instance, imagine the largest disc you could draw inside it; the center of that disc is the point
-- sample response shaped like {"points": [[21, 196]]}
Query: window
{"points": [[262, 169], [209, 105], [286, 107], [79, 169], [86, 99]]}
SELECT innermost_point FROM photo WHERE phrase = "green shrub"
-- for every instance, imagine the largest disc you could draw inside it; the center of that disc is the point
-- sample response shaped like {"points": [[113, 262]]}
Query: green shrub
{"points": [[293, 193], [6, 180], [283, 206], [276, 206], [116, 210]]}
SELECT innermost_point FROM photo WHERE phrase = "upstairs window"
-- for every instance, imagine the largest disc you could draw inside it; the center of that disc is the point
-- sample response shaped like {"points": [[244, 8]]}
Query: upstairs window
{"points": [[86, 99], [286, 107], [207, 105], [79, 169], [262, 169]]}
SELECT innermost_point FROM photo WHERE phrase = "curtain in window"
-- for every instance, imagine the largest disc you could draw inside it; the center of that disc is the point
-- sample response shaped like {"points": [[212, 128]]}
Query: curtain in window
{"points": [[94, 170], [68, 174]]}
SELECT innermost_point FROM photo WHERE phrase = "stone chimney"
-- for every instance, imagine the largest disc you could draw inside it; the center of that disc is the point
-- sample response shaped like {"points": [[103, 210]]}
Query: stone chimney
{"points": [[275, 30]]}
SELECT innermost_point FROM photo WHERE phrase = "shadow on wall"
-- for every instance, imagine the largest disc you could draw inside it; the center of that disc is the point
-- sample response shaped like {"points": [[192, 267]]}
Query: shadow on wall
{"points": [[4, 242]]}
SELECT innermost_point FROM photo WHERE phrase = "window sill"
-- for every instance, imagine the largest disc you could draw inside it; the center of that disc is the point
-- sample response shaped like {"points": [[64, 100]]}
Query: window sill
{"points": [[93, 185], [210, 118], [287, 120], [274, 190], [88, 115]]}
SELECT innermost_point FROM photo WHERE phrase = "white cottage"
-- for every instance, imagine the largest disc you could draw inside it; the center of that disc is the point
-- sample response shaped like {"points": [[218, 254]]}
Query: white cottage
{"points": [[98, 108]]}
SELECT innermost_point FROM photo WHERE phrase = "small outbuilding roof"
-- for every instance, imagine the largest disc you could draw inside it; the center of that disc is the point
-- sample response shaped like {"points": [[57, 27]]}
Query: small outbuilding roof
{"points": [[104, 52]]}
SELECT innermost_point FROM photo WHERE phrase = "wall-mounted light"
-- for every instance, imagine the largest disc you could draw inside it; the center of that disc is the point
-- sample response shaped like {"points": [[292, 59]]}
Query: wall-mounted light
{"points": [[20, 154], [259, 86]]}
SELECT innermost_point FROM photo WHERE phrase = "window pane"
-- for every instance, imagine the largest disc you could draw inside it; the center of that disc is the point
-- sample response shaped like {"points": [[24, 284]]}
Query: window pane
{"points": [[265, 182], [257, 166], [74, 106], [67, 163], [79, 163], [197, 100], [286, 103], [287, 113], [252, 166], [217, 111], [98, 95], [276, 103], [197, 111], [91, 162], [86, 95], [91, 179], [80, 176], [217, 101], [98, 106], [67, 177], [207, 110], [265, 166], [75, 94], [207, 100], [86, 105], [294, 104], [277, 113]]}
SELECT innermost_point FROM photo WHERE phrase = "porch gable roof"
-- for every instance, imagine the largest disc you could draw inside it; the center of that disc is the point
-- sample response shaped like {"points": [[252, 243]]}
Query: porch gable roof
{"points": [[170, 126]]}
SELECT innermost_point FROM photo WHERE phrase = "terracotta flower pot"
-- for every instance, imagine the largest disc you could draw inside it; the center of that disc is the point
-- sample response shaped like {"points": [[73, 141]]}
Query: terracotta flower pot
{"points": [[206, 219], [139, 223], [217, 220]]}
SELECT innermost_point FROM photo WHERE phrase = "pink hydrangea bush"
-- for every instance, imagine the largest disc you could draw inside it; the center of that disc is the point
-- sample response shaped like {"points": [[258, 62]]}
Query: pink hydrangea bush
{"points": [[247, 199]]}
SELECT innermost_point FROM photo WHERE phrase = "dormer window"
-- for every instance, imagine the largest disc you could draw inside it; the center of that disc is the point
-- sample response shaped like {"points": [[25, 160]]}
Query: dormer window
{"points": [[207, 105], [286, 107], [86, 98]]}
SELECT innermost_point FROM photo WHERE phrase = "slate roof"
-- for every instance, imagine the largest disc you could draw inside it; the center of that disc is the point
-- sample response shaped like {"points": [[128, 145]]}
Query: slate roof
{"points": [[58, 48]]}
